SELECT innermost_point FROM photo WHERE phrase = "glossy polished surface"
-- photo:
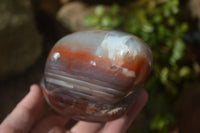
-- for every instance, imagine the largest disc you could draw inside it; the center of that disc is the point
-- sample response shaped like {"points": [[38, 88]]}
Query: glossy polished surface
{"points": [[94, 75]]}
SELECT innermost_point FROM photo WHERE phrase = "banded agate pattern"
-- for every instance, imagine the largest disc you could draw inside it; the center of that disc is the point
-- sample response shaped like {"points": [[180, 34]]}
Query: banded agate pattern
{"points": [[95, 75]]}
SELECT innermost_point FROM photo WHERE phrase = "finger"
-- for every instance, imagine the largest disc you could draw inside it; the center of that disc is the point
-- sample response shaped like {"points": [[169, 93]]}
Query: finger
{"points": [[121, 125], [86, 127], [52, 121], [23, 116]]}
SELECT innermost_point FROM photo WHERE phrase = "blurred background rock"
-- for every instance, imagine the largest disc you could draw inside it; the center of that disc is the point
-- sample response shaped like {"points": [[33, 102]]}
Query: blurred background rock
{"points": [[21, 43], [28, 30]]}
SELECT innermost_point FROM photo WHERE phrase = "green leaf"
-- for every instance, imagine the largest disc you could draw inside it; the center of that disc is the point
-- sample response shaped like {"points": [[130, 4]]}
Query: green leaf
{"points": [[175, 10], [158, 123], [106, 21], [148, 28], [114, 9], [157, 18], [184, 27], [178, 51], [171, 21], [91, 20], [164, 75], [184, 71], [99, 10]]}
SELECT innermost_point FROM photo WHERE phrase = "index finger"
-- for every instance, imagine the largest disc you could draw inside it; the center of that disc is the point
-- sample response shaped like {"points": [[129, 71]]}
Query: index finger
{"points": [[25, 113]]}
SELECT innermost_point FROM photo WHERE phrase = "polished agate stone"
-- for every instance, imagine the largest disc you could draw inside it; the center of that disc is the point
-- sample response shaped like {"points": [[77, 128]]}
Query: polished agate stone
{"points": [[95, 75]]}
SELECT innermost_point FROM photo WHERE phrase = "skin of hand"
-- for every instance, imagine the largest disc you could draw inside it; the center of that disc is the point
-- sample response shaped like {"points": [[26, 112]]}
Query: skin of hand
{"points": [[24, 117]]}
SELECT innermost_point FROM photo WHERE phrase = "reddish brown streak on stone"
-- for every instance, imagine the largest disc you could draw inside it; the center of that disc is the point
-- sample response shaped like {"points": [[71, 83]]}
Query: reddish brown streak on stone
{"points": [[85, 57]]}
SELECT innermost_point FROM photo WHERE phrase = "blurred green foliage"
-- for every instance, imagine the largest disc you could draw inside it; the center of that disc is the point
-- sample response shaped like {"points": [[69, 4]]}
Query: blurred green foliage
{"points": [[159, 24]]}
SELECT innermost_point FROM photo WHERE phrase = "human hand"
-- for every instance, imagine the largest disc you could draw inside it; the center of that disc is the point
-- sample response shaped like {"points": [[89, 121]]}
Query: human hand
{"points": [[24, 118]]}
